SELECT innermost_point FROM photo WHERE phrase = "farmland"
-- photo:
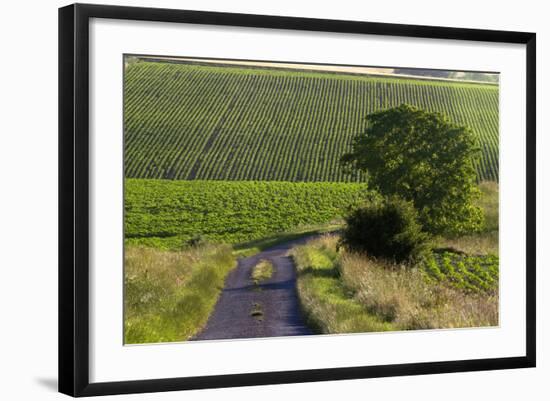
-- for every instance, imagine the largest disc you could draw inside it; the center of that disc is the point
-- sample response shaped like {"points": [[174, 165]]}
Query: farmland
{"points": [[208, 122], [168, 214], [236, 201]]}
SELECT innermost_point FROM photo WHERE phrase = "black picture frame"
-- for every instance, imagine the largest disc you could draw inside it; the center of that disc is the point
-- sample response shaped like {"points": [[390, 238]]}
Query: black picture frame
{"points": [[74, 198]]}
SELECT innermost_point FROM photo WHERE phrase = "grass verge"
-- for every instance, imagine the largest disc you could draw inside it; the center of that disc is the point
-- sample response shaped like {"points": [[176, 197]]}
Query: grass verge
{"points": [[347, 292], [169, 295], [410, 299], [328, 305]]}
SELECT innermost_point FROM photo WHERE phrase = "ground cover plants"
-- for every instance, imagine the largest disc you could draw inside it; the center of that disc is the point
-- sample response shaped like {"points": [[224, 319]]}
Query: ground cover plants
{"points": [[169, 214]]}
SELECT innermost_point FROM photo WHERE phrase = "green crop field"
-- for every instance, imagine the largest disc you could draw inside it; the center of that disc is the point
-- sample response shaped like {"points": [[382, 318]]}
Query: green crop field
{"points": [[166, 214], [207, 122], [467, 272]]}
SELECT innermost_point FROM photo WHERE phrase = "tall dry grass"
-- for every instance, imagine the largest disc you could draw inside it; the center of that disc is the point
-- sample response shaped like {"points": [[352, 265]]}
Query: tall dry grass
{"points": [[343, 292], [328, 305], [409, 300], [168, 295]]}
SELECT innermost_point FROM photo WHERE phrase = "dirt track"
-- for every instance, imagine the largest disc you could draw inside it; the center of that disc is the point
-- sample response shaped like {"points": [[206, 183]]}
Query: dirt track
{"points": [[269, 309]]}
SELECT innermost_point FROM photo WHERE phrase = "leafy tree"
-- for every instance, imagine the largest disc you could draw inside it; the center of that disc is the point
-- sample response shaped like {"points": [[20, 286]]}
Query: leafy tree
{"points": [[424, 158]]}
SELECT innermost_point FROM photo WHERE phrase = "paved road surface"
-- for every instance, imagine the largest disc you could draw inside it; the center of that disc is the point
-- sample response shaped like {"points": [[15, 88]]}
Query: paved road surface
{"points": [[276, 299]]}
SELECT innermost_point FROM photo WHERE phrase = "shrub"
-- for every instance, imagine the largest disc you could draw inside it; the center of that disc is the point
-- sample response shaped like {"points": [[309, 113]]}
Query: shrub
{"points": [[387, 229]]}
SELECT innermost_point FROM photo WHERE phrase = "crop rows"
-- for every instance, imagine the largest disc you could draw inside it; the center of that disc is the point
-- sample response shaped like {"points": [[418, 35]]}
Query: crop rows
{"points": [[469, 273], [167, 214], [185, 121]]}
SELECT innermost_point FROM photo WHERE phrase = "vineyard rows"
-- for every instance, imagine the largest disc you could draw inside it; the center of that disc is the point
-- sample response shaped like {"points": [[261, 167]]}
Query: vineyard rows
{"points": [[185, 121]]}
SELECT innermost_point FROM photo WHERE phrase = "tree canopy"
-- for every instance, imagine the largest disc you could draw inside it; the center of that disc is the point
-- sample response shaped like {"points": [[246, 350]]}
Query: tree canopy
{"points": [[425, 158]]}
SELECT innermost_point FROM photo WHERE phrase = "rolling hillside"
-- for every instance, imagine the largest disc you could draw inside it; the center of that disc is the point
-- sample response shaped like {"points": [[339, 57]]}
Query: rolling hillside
{"points": [[207, 122]]}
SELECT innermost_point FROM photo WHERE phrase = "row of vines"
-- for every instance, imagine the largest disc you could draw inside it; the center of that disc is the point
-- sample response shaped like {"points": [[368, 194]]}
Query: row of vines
{"points": [[185, 121]]}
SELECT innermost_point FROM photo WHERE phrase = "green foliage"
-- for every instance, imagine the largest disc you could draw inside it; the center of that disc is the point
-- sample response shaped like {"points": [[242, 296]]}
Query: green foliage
{"points": [[488, 202], [169, 214], [471, 273], [425, 158], [184, 121], [328, 305], [387, 229], [343, 292], [168, 296]]}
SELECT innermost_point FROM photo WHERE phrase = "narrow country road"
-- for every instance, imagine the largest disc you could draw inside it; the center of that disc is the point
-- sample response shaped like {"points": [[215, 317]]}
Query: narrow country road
{"points": [[268, 309]]}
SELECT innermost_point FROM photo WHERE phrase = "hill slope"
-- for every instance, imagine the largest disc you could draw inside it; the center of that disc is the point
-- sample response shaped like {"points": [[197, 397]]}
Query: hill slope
{"points": [[186, 121]]}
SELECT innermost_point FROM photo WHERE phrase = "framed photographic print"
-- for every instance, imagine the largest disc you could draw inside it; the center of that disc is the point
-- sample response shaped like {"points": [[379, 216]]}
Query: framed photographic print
{"points": [[250, 199]]}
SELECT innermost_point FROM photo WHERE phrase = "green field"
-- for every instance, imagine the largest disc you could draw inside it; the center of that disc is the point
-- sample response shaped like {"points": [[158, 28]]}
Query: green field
{"points": [[167, 214], [472, 273], [207, 122]]}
